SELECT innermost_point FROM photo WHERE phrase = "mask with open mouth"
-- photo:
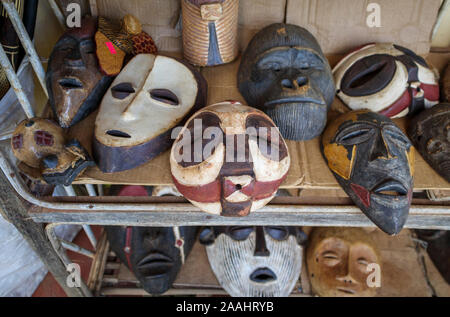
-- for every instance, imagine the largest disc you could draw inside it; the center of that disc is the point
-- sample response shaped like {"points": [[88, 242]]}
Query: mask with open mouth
{"points": [[74, 81], [154, 254], [229, 159], [284, 73], [373, 161], [430, 133], [337, 261], [255, 261], [386, 78], [151, 96]]}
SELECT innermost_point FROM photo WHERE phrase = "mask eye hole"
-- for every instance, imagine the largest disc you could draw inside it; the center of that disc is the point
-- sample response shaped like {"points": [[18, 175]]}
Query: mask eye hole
{"points": [[330, 258], [397, 136], [354, 136], [434, 146], [118, 134], [122, 90], [165, 96], [277, 233], [240, 233]]}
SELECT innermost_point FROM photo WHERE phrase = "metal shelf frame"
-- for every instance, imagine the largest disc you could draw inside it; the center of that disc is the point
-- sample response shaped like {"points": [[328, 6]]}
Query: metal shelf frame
{"points": [[28, 212]]}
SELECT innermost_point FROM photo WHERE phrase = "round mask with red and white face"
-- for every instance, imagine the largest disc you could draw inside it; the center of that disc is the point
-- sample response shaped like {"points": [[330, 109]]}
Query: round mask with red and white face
{"points": [[386, 78], [229, 159]]}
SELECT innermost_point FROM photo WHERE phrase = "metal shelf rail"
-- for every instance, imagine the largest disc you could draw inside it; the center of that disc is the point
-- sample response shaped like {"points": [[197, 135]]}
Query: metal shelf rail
{"points": [[28, 212]]}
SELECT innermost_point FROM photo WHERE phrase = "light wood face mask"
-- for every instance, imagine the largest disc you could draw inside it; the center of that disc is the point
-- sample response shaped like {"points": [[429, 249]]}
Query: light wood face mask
{"points": [[337, 260], [150, 96], [386, 78]]}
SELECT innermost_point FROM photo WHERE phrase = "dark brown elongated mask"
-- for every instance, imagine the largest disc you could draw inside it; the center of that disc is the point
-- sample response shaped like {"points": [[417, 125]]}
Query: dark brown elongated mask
{"points": [[373, 161], [284, 73], [430, 133], [74, 81]]}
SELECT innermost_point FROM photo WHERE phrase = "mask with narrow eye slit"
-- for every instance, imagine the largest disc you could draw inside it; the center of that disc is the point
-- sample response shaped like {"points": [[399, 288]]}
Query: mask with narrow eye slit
{"points": [[74, 81], [430, 133], [338, 262], [284, 73], [151, 96], [229, 159], [255, 261], [373, 161], [386, 78]]}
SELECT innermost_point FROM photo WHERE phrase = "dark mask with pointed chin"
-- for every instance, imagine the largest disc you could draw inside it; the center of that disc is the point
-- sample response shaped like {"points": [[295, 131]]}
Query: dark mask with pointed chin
{"points": [[284, 73], [430, 133], [373, 161], [229, 159], [74, 81], [386, 78], [338, 260], [255, 261]]}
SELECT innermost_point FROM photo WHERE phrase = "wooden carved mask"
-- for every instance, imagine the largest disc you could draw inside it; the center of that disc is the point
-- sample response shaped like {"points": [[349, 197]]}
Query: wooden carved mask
{"points": [[255, 261], [229, 159], [284, 73], [430, 133], [154, 254], [373, 161], [338, 259], [151, 95], [386, 78], [74, 81], [41, 144]]}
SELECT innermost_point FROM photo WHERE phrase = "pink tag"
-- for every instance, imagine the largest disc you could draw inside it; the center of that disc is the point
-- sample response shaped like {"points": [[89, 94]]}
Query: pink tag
{"points": [[111, 47]]}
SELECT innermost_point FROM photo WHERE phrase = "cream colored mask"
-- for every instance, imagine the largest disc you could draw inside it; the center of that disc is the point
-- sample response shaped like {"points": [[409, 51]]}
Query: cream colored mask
{"points": [[386, 78], [151, 96]]}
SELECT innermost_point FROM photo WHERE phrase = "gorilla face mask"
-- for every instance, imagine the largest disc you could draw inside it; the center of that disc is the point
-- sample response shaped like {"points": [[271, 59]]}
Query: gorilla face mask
{"points": [[386, 78], [74, 81], [430, 133], [255, 261], [284, 72], [338, 259], [151, 95], [229, 159], [373, 161]]}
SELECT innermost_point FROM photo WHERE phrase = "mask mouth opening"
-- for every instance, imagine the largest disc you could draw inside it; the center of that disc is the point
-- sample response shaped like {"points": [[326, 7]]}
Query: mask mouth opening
{"points": [[165, 96], [263, 275], [155, 264], [391, 188], [346, 290], [69, 83], [118, 134]]}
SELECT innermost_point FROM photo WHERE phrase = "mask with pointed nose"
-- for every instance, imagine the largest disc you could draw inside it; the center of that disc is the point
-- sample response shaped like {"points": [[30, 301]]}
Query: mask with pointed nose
{"points": [[229, 159], [337, 260], [151, 96], [284, 73], [373, 161], [255, 261], [74, 81]]}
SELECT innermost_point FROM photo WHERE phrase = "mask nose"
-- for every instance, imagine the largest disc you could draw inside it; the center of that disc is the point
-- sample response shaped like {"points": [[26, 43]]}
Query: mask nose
{"points": [[260, 245], [294, 83], [379, 149]]}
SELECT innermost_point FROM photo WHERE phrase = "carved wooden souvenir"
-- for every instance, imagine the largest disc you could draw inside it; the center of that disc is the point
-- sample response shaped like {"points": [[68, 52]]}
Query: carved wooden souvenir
{"points": [[386, 78], [117, 39], [284, 73], [229, 159], [151, 96], [373, 161], [255, 261], [41, 144], [338, 259], [446, 84], [210, 31], [154, 254], [438, 248], [430, 133], [74, 81]]}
